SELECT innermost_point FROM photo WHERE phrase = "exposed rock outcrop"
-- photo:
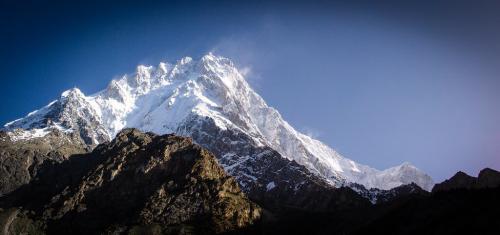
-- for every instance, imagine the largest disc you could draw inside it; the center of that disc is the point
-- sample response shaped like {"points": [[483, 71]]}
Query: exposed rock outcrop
{"points": [[20, 160], [139, 182]]}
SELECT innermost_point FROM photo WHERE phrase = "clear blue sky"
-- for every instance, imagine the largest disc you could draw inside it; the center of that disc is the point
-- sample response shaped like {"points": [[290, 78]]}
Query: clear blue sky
{"points": [[382, 83]]}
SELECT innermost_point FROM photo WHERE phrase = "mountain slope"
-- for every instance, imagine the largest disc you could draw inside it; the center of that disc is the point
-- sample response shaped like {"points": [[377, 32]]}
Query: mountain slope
{"points": [[20, 160], [210, 101], [138, 183]]}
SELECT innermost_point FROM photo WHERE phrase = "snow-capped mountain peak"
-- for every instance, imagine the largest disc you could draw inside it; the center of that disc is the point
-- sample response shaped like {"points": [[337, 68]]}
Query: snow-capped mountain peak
{"points": [[73, 93], [184, 97]]}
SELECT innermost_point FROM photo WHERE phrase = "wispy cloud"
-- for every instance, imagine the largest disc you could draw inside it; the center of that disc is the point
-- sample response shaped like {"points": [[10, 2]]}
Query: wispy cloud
{"points": [[311, 132], [242, 52]]}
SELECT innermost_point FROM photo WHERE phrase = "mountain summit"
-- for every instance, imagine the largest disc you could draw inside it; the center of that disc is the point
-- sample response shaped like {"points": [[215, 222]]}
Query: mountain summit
{"points": [[208, 100]]}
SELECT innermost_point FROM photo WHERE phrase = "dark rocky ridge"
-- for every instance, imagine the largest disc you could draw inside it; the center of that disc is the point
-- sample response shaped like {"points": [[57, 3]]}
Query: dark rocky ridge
{"points": [[464, 210], [136, 183], [383, 196], [460, 205], [487, 178]]}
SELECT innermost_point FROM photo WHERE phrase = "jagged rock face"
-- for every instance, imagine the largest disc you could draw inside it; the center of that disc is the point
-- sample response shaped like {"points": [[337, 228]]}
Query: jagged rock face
{"points": [[172, 97], [139, 183], [487, 178], [266, 177], [20, 160], [459, 180], [71, 114], [385, 196]]}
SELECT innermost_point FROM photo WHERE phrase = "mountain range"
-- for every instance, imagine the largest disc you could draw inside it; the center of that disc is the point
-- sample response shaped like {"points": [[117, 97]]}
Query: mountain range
{"points": [[210, 101], [190, 148], [143, 183]]}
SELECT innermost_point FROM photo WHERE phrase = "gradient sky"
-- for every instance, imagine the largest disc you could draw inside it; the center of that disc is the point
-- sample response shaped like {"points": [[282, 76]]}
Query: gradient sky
{"points": [[382, 83]]}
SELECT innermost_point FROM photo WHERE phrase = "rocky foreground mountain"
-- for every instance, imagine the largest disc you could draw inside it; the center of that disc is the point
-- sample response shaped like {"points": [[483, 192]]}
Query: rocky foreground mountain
{"points": [[143, 183], [138, 183]]}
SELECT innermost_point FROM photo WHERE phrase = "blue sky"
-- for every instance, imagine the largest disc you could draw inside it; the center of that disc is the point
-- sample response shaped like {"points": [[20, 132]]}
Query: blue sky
{"points": [[382, 83]]}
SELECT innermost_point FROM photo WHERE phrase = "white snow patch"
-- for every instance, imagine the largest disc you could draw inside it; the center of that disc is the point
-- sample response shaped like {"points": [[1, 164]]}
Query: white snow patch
{"points": [[28, 134], [270, 186]]}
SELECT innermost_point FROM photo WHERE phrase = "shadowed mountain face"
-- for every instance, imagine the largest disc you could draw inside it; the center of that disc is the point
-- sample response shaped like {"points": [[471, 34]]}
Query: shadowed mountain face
{"points": [[461, 209], [487, 178], [460, 205], [136, 183], [21, 160]]}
